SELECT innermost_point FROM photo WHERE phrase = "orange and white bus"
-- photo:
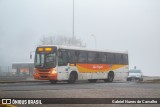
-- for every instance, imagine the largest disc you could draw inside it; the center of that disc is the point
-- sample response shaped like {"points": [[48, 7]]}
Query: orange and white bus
{"points": [[60, 63]]}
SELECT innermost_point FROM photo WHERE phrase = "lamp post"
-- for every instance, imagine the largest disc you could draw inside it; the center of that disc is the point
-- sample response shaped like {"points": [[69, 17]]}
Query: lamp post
{"points": [[73, 20], [95, 40]]}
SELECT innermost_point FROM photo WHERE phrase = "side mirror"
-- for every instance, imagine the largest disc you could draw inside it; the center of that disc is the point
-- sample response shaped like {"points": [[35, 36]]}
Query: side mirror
{"points": [[30, 56]]}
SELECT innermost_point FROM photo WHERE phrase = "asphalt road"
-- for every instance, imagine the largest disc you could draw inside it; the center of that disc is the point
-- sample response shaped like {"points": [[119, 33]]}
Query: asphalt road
{"points": [[80, 90]]}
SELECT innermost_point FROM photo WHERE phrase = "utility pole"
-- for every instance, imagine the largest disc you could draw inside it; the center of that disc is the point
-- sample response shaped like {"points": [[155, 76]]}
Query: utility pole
{"points": [[73, 20]]}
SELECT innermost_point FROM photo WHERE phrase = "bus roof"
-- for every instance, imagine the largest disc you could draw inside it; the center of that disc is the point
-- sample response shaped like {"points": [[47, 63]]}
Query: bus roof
{"points": [[82, 49]]}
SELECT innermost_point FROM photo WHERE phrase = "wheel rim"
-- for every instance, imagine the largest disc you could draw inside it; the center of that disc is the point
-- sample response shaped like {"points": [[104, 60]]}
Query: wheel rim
{"points": [[110, 77], [72, 78]]}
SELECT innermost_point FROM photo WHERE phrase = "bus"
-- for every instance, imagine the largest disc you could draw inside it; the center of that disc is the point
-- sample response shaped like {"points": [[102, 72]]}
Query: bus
{"points": [[62, 63]]}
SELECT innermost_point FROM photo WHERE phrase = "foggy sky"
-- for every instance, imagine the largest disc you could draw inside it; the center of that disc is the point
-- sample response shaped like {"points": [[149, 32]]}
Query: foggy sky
{"points": [[132, 25]]}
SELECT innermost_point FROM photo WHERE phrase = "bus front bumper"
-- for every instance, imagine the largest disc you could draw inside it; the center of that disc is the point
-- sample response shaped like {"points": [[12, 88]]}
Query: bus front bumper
{"points": [[45, 76]]}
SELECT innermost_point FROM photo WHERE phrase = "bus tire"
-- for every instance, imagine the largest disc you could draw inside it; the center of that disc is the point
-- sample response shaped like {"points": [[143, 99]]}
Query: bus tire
{"points": [[73, 77], [92, 80], [110, 77], [128, 79], [52, 81]]}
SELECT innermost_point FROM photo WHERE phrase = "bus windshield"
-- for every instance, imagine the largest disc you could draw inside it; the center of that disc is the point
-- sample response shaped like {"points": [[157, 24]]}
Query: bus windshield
{"points": [[45, 60]]}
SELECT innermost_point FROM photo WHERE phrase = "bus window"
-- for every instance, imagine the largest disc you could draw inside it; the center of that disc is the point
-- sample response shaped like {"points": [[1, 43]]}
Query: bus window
{"points": [[82, 58], [122, 59], [102, 58], [39, 60], [92, 57], [111, 58], [63, 58], [72, 56], [118, 59], [107, 58], [125, 59]]}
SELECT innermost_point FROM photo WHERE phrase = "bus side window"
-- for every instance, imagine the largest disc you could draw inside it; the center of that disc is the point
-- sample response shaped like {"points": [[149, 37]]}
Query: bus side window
{"points": [[72, 56], [125, 59], [92, 57], [63, 59], [82, 58], [102, 58], [118, 58], [122, 61], [107, 59], [111, 58]]}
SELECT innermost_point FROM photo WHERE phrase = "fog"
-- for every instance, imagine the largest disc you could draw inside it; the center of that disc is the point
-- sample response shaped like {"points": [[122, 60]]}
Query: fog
{"points": [[131, 25]]}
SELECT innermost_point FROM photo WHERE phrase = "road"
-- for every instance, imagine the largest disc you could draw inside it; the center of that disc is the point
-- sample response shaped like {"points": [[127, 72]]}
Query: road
{"points": [[80, 90]]}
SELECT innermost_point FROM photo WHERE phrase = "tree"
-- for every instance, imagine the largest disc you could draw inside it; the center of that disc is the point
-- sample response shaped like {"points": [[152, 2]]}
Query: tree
{"points": [[62, 40]]}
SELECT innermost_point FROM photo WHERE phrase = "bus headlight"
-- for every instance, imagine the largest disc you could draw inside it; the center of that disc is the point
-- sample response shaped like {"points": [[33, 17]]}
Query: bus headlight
{"points": [[53, 71]]}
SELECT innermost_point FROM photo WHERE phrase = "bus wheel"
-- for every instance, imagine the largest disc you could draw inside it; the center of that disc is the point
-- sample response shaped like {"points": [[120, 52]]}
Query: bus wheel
{"points": [[92, 80], [110, 77], [52, 81], [128, 79], [73, 77]]}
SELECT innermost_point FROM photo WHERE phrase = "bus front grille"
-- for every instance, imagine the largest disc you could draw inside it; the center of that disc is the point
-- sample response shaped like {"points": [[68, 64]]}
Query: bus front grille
{"points": [[44, 70], [44, 76]]}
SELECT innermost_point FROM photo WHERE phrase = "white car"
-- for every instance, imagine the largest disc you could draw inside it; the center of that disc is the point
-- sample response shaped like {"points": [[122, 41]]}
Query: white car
{"points": [[135, 74]]}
